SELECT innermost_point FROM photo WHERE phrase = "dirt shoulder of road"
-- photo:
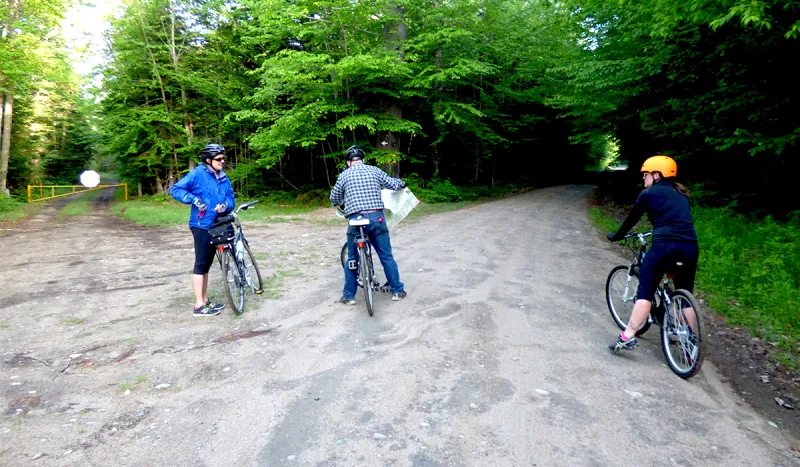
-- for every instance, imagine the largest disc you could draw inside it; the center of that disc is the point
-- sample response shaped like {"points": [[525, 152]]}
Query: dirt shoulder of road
{"points": [[743, 361]]}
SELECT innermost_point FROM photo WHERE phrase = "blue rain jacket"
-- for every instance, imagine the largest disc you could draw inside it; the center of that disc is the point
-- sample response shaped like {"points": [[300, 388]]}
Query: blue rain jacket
{"points": [[210, 188]]}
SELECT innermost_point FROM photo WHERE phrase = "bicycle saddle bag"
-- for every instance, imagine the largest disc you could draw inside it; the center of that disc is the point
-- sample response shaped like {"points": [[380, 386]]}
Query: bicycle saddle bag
{"points": [[222, 232]]}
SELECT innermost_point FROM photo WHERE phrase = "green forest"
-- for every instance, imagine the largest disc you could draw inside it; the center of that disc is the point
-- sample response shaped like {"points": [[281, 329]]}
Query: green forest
{"points": [[474, 93]]}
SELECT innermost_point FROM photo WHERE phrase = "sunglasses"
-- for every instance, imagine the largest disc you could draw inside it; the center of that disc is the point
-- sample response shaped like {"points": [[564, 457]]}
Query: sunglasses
{"points": [[220, 159]]}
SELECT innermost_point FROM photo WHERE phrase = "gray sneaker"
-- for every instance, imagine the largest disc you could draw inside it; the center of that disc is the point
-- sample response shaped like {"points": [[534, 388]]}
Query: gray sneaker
{"points": [[205, 310], [215, 306], [396, 297], [345, 301], [621, 345]]}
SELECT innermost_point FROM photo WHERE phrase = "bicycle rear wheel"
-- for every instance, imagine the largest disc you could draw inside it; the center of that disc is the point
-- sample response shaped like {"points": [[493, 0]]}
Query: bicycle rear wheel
{"points": [[684, 347], [366, 277], [253, 277], [234, 285], [621, 296]]}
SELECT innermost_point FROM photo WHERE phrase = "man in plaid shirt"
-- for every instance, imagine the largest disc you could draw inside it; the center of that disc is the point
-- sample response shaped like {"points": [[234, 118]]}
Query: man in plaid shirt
{"points": [[359, 189]]}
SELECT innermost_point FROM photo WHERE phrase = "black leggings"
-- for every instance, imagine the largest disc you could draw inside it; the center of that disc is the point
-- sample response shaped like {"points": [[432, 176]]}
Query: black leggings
{"points": [[660, 259], [203, 251]]}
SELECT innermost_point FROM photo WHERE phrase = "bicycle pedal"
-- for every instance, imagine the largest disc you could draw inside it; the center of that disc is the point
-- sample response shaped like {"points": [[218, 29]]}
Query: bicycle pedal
{"points": [[385, 289]]}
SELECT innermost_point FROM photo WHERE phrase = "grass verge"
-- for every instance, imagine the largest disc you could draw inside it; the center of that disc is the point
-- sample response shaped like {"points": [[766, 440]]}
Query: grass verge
{"points": [[79, 205], [749, 271], [158, 210], [12, 209]]}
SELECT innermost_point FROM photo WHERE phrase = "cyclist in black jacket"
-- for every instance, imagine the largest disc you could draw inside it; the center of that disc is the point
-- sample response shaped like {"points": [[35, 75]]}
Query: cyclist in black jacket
{"points": [[666, 203]]}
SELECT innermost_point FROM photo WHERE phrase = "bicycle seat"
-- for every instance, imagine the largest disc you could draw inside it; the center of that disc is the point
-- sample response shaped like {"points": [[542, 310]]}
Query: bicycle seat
{"points": [[357, 222], [223, 220]]}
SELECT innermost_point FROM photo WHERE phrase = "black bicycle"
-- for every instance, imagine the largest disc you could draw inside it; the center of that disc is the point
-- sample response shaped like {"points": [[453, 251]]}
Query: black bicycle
{"points": [[681, 335], [367, 279], [239, 266]]}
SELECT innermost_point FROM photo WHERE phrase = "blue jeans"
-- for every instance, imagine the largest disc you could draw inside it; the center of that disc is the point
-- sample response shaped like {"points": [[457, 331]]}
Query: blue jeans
{"points": [[379, 238]]}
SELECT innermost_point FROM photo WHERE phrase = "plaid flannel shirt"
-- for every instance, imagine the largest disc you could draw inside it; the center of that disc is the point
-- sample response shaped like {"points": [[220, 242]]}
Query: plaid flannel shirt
{"points": [[359, 188]]}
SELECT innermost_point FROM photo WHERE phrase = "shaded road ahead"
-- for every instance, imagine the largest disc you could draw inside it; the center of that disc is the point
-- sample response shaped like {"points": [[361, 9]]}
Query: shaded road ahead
{"points": [[496, 358]]}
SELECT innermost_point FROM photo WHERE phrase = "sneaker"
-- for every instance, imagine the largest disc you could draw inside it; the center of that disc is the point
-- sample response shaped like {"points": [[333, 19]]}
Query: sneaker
{"points": [[396, 297], [215, 306], [621, 345], [346, 301], [205, 310]]}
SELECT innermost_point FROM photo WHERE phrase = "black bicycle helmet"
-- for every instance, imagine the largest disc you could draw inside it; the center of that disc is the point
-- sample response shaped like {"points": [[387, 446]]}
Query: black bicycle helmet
{"points": [[354, 152], [210, 151]]}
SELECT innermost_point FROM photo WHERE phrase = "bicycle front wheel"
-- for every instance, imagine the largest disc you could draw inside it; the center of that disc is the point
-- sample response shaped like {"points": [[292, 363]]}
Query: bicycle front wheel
{"points": [[234, 285], [253, 275], [366, 277], [621, 296], [682, 335]]}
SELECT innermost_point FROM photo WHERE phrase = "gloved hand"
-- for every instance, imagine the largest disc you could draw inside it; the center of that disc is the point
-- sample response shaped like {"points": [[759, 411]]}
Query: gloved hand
{"points": [[612, 237], [201, 206], [221, 207]]}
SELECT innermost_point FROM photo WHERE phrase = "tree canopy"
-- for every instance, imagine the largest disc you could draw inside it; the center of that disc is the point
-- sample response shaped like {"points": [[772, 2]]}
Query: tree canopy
{"points": [[474, 91]]}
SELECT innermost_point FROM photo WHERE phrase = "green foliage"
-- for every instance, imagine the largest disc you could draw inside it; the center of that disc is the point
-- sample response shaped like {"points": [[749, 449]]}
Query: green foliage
{"points": [[443, 191], [9, 204], [12, 208], [750, 271]]}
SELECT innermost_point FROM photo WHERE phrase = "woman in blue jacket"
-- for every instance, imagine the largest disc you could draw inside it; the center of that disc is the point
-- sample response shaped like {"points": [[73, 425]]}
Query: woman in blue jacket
{"points": [[206, 185]]}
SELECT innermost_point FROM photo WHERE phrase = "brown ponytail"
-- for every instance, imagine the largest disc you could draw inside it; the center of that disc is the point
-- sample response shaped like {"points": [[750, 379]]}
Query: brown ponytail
{"points": [[681, 189]]}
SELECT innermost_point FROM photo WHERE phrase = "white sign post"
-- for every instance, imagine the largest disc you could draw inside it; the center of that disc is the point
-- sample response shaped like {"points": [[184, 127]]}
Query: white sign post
{"points": [[90, 178]]}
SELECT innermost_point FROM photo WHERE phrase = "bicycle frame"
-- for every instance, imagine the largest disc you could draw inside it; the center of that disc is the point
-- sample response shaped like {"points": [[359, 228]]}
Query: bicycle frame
{"points": [[237, 247], [663, 290], [362, 241]]}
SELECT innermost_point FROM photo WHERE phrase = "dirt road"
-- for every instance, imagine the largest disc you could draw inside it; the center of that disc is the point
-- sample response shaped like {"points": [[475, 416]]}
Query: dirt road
{"points": [[496, 358]]}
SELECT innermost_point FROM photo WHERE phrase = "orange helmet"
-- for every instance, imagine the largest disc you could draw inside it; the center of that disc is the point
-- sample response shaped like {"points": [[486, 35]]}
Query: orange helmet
{"points": [[661, 163]]}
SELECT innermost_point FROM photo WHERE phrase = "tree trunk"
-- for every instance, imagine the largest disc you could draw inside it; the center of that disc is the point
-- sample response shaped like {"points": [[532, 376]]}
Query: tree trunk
{"points": [[396, 35], [175, 56], [5, 146], [159, 184], [8, 33]]}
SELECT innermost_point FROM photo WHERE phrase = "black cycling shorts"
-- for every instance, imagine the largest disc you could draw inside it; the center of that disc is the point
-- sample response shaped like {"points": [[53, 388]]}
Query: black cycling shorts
{"points": [[203, 251], [662, 258]]}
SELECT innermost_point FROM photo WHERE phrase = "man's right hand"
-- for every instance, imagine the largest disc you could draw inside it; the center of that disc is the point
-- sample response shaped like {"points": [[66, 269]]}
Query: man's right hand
{"points": [[200, 205], [403, 184]]}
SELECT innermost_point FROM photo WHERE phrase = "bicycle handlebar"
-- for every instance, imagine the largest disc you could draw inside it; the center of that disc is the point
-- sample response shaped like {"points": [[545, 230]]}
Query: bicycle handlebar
{"points": [[640, 235], [245, 206], [233, 215]]}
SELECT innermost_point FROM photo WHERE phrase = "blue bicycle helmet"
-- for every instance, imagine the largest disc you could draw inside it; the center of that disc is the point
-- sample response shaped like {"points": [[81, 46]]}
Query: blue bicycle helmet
{"points": [[354, 152], [210, 151]]}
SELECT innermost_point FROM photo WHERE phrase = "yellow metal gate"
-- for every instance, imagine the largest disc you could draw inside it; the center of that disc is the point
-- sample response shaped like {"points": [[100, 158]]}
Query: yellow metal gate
{"points": [[75, 189]]}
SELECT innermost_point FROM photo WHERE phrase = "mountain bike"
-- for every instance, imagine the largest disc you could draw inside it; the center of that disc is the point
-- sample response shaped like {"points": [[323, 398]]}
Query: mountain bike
{"points": [[376, 270], [367, 279], [682, 342], [239, 267]]}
